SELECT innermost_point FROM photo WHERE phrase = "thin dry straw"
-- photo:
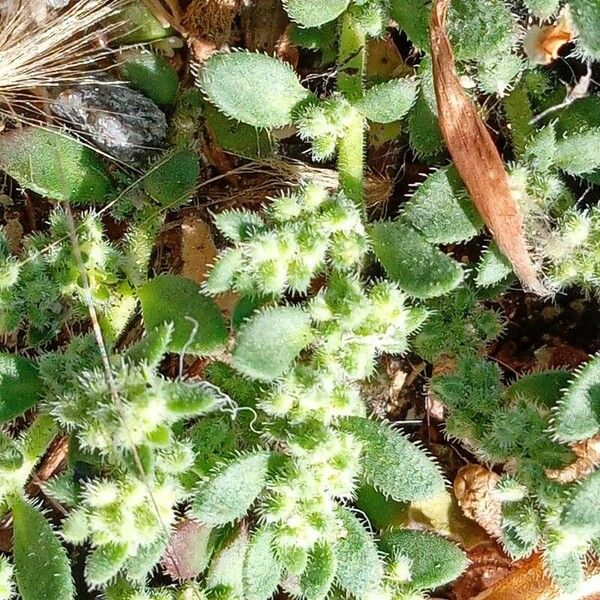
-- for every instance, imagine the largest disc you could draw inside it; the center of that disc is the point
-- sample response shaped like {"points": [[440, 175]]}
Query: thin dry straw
{"points": [[57, 51]]}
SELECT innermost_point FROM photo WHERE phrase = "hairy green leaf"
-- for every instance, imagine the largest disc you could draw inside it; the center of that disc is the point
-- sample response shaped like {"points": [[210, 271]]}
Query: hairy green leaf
{"points": [[424, 134], [359, 570], [434, 560], [252, 88], [42, 567], [581, 512], [493, 267], [222, 275], [20, 386], [151, 74], [172, 181], [191, 398], [141, 564], [566, 569], [262, 568], [178, 300], [225, 568], [542, 8], [413, 17], [152, 347], [54, 165], [319, 574], [419, 268], [269, 342], [314, 13], [543, 389], [480, 28], [238, 138], [391, 463], [578, 413], [586, 18], [541, 149], [238, 225], [104, 563], [388, 101], [441, 210], [228, 495], [577, 153], [11, 457]]}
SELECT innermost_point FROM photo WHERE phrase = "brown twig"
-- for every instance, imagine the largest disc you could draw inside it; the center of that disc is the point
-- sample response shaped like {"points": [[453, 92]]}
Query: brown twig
{"points": [[476, 156]]}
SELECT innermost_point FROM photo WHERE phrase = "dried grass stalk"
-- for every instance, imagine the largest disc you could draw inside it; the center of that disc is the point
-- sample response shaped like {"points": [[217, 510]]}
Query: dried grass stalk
{"points": [[476, 157], [269, 177], [63, 49]]}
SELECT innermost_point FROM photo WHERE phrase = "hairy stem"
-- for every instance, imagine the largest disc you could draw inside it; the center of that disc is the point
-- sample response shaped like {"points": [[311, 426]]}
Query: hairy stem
{"points": [[351, 65], [519, 115]]}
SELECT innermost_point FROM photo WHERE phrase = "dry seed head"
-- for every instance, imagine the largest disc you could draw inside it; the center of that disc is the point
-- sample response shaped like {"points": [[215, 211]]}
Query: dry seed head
{"points": [[62, 49]]}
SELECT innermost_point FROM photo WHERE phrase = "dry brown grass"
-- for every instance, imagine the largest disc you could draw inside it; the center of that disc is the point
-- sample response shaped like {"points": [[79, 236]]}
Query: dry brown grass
{"points": [[64, 48]]}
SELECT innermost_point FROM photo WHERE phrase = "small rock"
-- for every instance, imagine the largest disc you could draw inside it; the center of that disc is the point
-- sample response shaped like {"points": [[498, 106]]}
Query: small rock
{"points": [[117, 119]]}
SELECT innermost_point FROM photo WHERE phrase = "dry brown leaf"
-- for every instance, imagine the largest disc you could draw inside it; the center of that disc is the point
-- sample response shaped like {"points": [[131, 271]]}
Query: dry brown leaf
{"points": [[285, 49], [208, 25], [588, 458], [473, 487], [488, 564], [198, 254], [476, 157], [530, 582], [262, 24]]}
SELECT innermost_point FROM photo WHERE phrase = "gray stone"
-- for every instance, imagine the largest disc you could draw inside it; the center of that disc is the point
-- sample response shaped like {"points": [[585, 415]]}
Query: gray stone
{"points": [[118, 120]]}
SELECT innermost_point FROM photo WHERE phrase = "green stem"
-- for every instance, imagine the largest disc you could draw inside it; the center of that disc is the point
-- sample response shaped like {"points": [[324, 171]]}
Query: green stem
{"points": [[351, 65], [518, 113]]}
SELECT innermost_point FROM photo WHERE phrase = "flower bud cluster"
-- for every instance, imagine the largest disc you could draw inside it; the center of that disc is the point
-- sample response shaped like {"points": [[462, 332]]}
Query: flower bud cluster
{"points": [[308, 232]]}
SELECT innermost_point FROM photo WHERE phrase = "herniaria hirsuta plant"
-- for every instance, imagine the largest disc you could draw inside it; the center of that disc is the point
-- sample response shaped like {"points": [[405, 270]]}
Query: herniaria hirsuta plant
{"points": [[529, 426], [272, 490]]}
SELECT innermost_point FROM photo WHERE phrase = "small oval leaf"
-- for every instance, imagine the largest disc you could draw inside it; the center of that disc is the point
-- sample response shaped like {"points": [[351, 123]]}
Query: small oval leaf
{"points": [[419, 268], [178, 300], [318, 576], [393, 464], [262, 568], [42, 567], [586, 18], [577, 415], [269, 342], [151, 74], [229, 494], [441, 210], [252, 88], [314, 13], [172, 181], [359, 570], [54, 165], [388, 101], [434, 561], [20, 386]]}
